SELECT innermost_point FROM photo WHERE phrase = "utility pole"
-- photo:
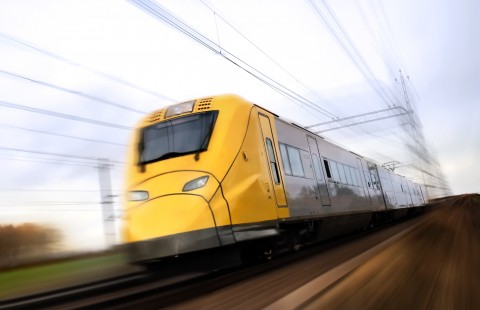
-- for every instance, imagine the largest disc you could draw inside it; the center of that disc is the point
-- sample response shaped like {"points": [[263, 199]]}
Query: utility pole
{"points": [[422, 158], [106, 200], [405, 93]]}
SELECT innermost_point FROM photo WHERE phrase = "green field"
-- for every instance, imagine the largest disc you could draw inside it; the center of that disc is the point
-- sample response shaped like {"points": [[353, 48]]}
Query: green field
{"points": [[35, 279]]}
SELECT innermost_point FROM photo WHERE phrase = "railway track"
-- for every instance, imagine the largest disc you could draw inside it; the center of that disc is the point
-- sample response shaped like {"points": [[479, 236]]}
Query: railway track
{"points": [[109, 293], [153, 290]]}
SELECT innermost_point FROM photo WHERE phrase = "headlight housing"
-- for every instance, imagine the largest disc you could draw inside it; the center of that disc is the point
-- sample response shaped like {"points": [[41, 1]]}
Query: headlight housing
{"points": [[196, 183], [137, 195], [180, 108]]}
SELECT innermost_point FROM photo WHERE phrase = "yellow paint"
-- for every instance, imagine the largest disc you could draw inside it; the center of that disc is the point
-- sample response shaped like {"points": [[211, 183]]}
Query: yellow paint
{"points": [[224, 144], [246, 186], [172, 183], [167, 215], [236, 157], [220, 209], [266, 123]]}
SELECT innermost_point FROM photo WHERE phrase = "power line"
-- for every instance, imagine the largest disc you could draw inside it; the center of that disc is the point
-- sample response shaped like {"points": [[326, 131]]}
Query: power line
{"points": [[356, 57], [53, 210], [70, 163], [347, 44], [162, 14], [386, 26], [71, 91], [52, 203], [384, 53], [62, 115], [362, 118], [75, 64], [258, 48], [61, 135], [54, 190], [55, 154], [49, 160]]}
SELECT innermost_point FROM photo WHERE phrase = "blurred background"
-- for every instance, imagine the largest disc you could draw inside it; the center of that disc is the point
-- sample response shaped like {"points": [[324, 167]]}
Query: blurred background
{"points": [[396, 82]]}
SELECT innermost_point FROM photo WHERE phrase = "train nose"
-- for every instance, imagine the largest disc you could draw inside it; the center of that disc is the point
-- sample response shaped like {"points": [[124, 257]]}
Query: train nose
{"points": [[169, 215], [170, 225]]}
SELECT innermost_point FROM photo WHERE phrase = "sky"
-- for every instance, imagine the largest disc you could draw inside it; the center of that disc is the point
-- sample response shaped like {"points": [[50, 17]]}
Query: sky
{"points": [[76, 76]]}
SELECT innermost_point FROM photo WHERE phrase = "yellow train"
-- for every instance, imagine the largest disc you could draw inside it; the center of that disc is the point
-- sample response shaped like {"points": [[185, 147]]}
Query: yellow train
{"points": [[217, 173]]}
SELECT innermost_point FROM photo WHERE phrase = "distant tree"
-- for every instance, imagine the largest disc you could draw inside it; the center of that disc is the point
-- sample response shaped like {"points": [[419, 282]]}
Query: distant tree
{"points": [[25, 242]]}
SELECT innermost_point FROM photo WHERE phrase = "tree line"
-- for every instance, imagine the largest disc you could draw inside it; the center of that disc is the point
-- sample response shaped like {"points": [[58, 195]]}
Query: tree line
{"points": [[26, 242]]}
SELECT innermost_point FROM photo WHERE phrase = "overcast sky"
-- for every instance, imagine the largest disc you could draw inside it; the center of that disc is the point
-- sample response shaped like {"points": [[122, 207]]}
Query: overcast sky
{"points": [[76, 71]]}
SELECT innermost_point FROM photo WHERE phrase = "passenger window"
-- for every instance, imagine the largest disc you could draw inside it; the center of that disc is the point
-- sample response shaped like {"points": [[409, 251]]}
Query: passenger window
{"points": [[285, 162], [341, 171], [295, 161], [348, 174], [273, 162], [354, 177], [333, 166], [359, 178]]}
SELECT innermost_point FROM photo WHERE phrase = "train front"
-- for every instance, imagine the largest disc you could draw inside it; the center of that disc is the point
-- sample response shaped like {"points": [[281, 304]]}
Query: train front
{"points": [[177, 159]]}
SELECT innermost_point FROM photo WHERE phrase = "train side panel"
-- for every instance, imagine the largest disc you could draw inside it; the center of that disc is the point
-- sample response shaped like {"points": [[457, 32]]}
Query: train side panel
{"points": [[374, 186], [248, 187], [327, 186], [416, 194], [257, 177], [401, 194], [388, 189]]}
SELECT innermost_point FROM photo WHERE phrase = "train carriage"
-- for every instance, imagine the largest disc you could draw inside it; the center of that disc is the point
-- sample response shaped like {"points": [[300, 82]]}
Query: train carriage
{"points": [[218, 172]]}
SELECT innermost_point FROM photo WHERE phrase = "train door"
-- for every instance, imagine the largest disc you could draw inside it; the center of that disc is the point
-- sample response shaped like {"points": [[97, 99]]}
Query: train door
{"points": [[364, 181], [410, 193], [275, 176], [375, 188], [321, 190]]}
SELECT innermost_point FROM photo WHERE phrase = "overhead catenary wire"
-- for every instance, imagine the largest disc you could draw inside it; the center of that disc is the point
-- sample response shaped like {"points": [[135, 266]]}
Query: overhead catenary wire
{"points": [[52, 162], [54, 210], [388, 49], [383, 52], [63, 115], [264, 53], [71, 91], [68, 163], [385, 26], [51, 203], [61, 135], [239, 64], [53, 190], [217, 15], [91, 70], [56, 154], [250, 41], [163, 15], [347, 44]]}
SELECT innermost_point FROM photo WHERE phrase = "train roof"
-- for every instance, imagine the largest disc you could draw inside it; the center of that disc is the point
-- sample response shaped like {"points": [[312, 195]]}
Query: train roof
{"points": [[205, 103]]}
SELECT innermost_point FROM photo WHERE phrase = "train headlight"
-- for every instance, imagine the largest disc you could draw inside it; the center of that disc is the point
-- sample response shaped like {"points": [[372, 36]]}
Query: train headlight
{"points": [[137, 195], [180, 108], [196, 183]]}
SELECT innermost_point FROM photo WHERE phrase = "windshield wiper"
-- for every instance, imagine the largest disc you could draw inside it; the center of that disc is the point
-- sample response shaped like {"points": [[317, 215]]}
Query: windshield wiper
{"points": [[140, 163], [200, 148]]}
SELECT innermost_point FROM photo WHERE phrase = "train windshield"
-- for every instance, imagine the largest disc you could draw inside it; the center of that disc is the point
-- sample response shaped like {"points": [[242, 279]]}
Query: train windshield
{"points": [[177, 137]]}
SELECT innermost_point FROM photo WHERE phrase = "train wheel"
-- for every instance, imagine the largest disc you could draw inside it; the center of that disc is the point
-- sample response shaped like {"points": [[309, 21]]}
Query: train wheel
{"points": [[267, 254]]}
